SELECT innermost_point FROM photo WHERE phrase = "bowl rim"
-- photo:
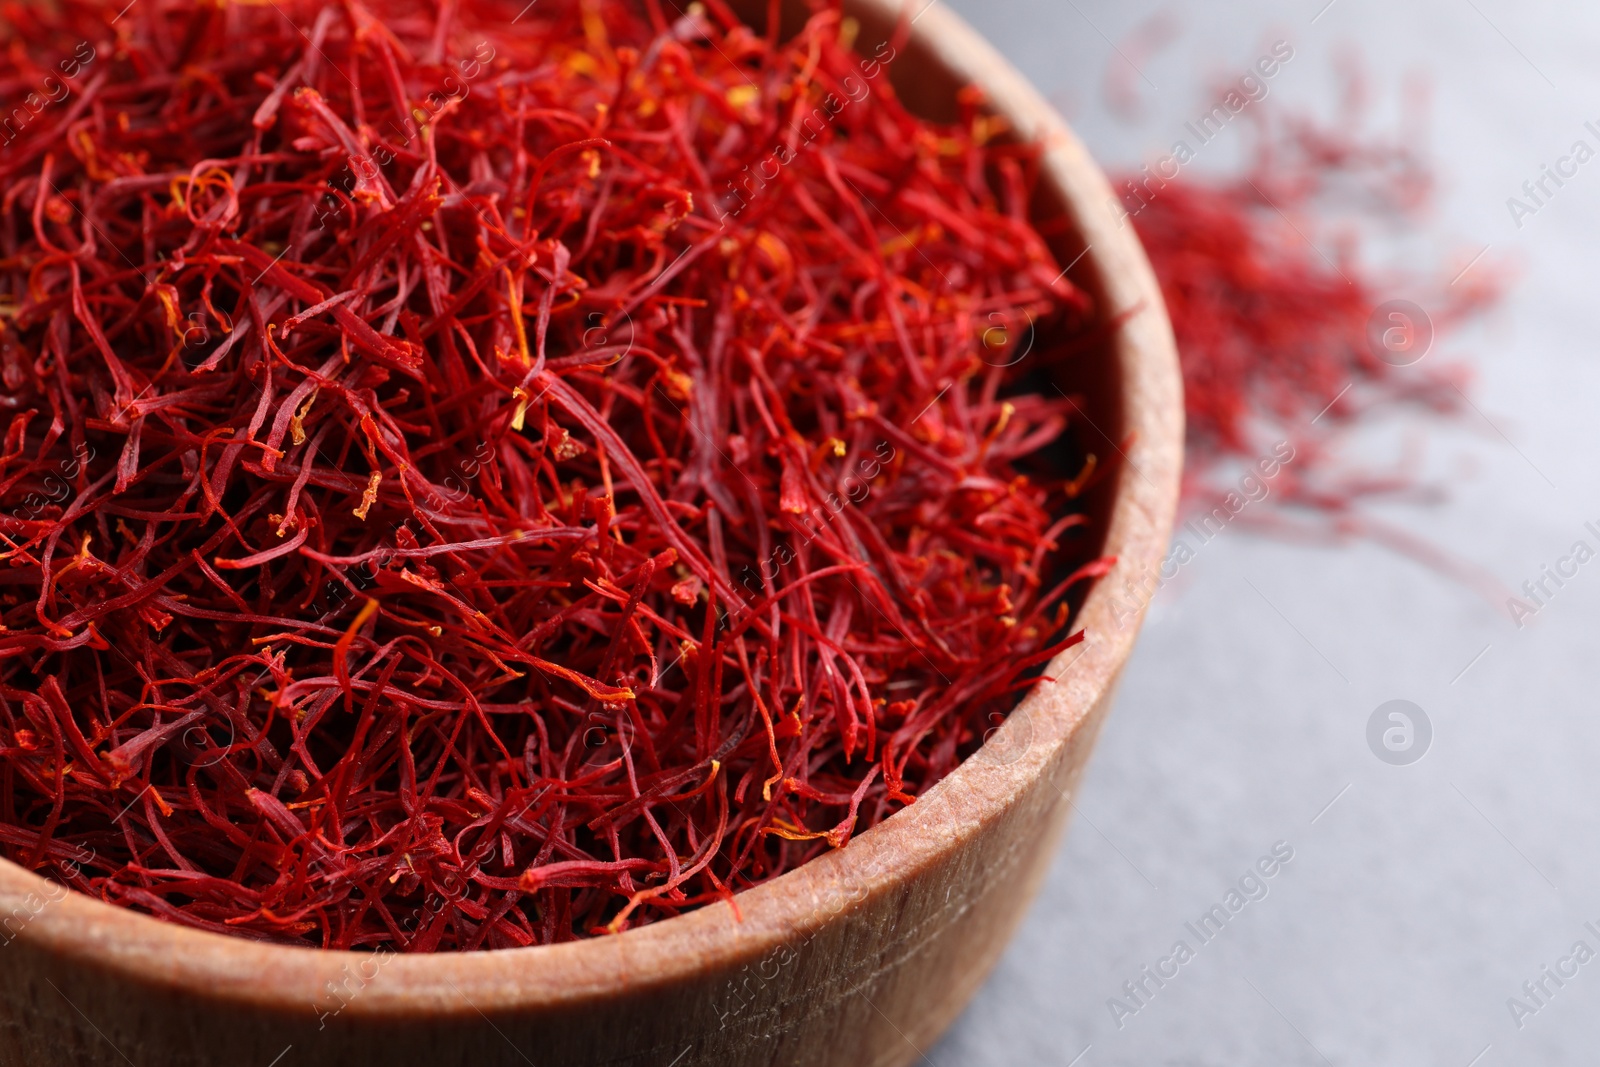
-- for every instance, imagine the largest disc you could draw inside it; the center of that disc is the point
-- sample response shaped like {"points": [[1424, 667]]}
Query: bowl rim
{"points": [[75, 929]]}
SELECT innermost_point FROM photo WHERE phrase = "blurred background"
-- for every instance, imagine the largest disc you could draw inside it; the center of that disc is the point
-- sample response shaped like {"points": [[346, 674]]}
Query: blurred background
{"points": [[1428, 890]]}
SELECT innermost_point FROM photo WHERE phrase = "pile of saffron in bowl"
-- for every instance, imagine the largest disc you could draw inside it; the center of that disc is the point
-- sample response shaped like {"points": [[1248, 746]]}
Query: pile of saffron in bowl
{"points": [[481, 474]]}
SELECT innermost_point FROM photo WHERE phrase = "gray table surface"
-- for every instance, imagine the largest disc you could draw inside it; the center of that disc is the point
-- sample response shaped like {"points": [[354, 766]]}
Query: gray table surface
{"points": [[1426, 895]]}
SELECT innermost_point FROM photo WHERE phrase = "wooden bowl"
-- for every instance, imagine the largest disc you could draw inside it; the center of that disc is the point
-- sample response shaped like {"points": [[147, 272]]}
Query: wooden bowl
{"points": [[861, 957]]}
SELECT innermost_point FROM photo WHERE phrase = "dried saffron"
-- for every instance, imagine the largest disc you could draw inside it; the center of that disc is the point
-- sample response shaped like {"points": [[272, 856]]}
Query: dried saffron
{"points": [[491, 474], [1284, 334]]}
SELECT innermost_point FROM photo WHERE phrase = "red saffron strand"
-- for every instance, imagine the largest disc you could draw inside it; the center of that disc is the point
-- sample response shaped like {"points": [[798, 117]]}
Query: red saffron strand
{"points": [[1281, 324], [475, 481]]}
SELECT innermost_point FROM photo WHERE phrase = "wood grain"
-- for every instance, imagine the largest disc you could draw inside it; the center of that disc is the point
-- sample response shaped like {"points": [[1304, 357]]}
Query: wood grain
{"points": [[861, 957]]}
